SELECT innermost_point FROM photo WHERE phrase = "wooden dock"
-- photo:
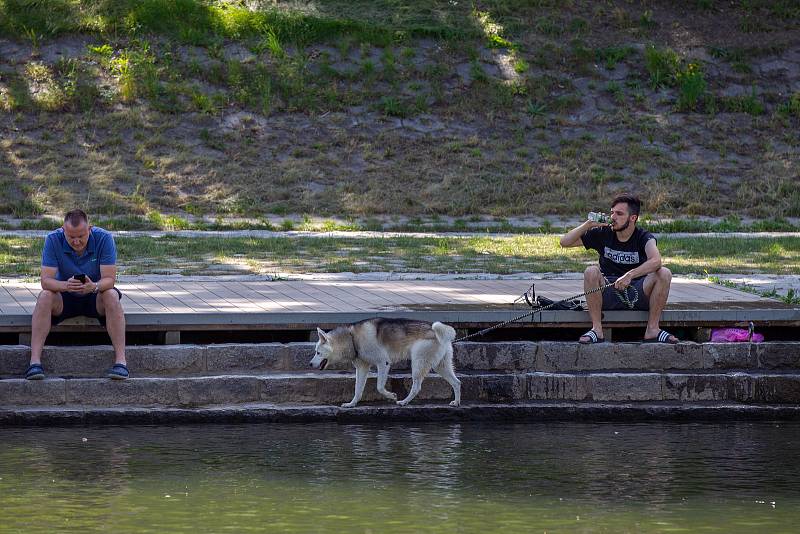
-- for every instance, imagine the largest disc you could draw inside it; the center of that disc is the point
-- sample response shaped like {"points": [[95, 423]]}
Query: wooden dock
{"points": [[175, 306]]}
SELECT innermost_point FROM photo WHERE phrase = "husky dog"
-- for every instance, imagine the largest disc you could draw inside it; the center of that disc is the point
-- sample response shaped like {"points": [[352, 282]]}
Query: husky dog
{"points": [[381, 342]]}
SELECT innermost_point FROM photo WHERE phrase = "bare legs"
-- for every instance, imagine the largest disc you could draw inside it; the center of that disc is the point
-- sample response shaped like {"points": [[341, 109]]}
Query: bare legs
{"points": [[592, 279], [48, 304], [656, 288], [108, 305]]}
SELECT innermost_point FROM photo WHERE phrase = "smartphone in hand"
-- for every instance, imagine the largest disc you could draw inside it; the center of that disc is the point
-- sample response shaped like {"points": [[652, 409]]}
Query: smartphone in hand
{"points": [[80, 278]]}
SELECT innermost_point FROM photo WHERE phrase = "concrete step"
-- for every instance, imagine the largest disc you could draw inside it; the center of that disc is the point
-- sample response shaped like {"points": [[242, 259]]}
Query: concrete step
{"points": [[303, 413], [332, 388], [196, 360]]}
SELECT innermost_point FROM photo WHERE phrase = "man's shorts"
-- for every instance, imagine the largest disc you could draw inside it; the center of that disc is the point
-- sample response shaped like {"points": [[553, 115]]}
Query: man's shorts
{"points": [[613, 299], [76, 305]]}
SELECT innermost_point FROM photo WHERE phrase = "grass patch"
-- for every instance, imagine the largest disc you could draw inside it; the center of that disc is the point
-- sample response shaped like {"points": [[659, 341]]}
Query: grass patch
{"points": [[500, 255], [197, 22], [749, 104]]}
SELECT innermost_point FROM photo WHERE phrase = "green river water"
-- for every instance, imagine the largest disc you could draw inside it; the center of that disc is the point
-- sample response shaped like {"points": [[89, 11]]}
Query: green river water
{"points": [[468, 477]]}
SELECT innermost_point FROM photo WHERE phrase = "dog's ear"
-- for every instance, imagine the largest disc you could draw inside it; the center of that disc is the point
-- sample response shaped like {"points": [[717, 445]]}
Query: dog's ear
{"points": [[322, 336]]}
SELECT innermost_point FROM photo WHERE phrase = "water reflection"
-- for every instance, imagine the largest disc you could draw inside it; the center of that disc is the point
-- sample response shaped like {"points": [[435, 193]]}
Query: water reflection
{"points": [[401, 478]]}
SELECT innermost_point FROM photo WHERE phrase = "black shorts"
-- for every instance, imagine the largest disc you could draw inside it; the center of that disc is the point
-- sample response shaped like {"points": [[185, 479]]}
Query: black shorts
{"points": [[76, 305], [613, 299]]}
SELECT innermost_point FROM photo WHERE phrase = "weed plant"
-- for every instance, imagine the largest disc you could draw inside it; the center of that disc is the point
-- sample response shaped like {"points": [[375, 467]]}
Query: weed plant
{"points": [[691, 87]]}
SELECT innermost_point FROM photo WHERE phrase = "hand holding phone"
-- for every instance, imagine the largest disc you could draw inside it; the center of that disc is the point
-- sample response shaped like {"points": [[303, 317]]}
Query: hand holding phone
{"points": [[80, 277]]}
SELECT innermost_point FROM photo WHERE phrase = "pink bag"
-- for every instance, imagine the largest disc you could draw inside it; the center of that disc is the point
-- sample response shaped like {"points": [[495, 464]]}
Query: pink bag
{"points": [[734, 335]]}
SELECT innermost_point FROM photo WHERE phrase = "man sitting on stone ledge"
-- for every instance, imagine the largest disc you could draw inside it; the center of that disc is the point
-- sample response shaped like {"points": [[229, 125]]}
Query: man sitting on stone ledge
{"points": [[78, 276], [629, 258]]}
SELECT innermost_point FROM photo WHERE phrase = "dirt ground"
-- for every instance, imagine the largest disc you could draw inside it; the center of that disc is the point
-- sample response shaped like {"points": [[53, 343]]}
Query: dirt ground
{"points": [[472, 137]]}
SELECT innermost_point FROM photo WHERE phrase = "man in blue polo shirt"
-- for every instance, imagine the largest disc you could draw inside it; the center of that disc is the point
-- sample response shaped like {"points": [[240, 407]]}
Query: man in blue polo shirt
{"points": [[78, 275]]}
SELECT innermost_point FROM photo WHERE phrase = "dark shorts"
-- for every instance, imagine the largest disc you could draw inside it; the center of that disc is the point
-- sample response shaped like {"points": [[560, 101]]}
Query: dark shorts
{"points": [[76, 305], [634, 293]]}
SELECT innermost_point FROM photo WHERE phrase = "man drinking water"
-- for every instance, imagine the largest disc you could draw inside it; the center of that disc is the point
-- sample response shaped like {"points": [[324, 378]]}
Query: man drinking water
{"points": [[629, 258]]}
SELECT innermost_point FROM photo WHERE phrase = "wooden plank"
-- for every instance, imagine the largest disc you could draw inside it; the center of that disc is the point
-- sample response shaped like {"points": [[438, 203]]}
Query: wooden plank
{"points": [[188, 297], [411, 294], [299, 297], [272, 299], [237, 301], [128, 304], [331, 296], [142, 298], [341, 299], [167, 297], [23, 297]]}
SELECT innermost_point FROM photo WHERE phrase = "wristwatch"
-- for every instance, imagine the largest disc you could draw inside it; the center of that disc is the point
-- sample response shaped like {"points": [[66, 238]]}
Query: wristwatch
{"points": [[96, 287]]}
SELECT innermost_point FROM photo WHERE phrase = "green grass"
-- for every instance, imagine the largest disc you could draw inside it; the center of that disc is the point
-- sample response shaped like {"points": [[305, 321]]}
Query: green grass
{"points": [[19, 256], [140, 123], [154, 220], [201, 22]]}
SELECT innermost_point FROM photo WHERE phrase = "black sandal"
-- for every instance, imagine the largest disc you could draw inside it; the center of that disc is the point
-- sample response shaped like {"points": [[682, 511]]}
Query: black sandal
{"points": [[592, 335], [662, 337]]}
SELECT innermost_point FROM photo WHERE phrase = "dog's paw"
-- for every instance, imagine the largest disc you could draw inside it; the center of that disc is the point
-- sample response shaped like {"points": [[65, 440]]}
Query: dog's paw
{"points": [[455, 403], [389, 395], [349, 405], [402, 402]]}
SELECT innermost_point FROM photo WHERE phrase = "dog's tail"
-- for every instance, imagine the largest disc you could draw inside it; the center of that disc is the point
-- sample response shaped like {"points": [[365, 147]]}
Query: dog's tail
{"points": [[444, 334]]}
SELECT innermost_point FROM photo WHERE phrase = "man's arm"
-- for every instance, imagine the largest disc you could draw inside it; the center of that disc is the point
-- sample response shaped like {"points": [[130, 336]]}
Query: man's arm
{"points": [[108, 277], [51, 283], [573, 237], [652, 264]]}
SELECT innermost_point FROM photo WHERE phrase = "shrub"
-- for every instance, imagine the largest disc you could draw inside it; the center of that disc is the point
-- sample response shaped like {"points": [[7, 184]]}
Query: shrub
{"points": [[742, 104], [792, 107], [691, 86], [662, 65]]}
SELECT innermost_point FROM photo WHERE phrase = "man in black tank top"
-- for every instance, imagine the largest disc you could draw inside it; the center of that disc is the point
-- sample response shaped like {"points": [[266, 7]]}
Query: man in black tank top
{"points": [[629, 257]]}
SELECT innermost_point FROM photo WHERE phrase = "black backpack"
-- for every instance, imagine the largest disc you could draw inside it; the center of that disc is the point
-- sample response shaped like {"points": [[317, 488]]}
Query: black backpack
{"points": [[535, 301]]}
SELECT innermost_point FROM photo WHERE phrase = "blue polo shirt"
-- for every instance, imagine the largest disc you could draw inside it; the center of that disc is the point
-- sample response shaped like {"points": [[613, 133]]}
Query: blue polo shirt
{"points": [[100, 250]]}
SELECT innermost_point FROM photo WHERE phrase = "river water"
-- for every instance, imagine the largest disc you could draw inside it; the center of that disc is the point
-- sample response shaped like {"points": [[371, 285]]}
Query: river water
{"points": [[468, 477]]}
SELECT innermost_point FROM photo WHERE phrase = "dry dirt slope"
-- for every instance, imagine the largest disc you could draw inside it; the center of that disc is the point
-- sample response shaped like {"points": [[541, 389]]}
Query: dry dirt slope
{"points": [[563, 110]]}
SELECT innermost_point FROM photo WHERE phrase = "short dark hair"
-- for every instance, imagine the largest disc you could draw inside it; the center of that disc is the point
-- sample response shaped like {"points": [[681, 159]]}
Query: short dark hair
{"points": [[633, 202], [76, 217]]}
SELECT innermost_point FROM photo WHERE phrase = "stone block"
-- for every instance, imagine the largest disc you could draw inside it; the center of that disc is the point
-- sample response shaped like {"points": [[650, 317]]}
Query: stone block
{"points": [[728, 356], [777, 355], [162, 360], [218, 390], [778, 389], [551, 386], [684, 355], [734, 387], [510, 356], [138, 391], [324, 389], [21, 392], [433, 388], [630, 356], [594, 356], [266, 357], [620, 387], [77, 361], [14, 360], [555, 357], [502, 388]]}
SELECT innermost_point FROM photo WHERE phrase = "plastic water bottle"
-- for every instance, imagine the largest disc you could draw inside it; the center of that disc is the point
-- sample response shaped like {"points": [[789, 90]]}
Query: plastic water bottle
{"points": [[599, 217]]}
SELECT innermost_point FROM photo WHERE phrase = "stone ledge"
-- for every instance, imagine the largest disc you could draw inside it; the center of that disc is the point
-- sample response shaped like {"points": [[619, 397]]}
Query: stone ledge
{"points": [[518, 412], [337, 388], [193, 360]]}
